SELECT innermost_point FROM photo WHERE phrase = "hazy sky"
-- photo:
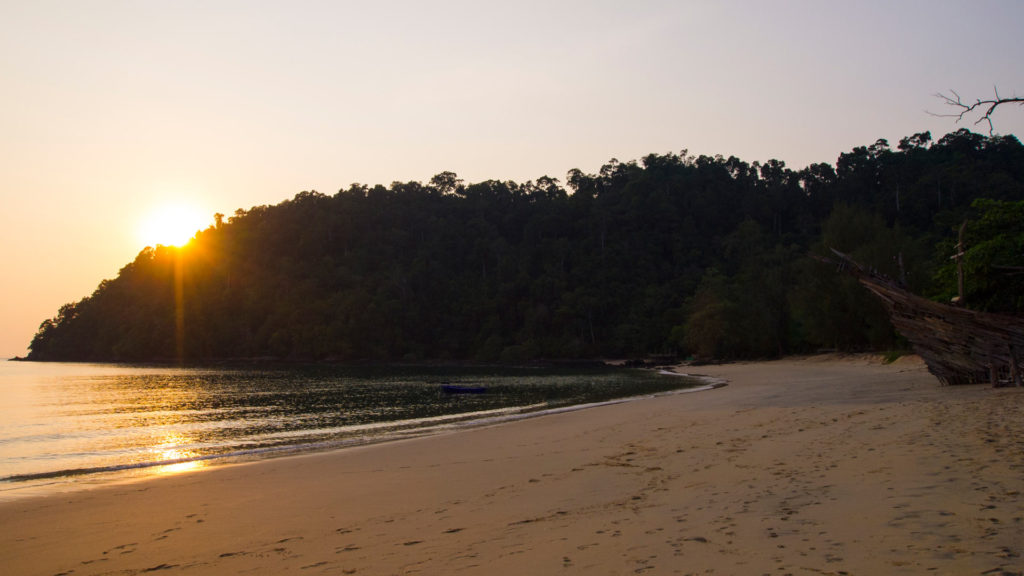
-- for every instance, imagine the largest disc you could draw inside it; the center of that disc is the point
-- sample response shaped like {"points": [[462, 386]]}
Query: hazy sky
{"points": [[108, 109]]}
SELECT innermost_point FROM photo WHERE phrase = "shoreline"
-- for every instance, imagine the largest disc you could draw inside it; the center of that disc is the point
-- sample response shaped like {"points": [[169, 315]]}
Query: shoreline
{"points": [[64, 480], [810, 465]]}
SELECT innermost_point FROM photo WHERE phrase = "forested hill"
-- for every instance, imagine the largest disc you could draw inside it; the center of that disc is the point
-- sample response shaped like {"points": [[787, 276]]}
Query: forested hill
{"points": [[673, 254]]}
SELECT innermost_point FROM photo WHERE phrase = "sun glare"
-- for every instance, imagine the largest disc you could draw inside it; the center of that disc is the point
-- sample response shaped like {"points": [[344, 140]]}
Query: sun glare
{"points": [[179, 459], [172, 225]]}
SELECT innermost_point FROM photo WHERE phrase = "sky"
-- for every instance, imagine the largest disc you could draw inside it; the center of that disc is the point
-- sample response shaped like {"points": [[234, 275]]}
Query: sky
{"points": [[111, 109]]}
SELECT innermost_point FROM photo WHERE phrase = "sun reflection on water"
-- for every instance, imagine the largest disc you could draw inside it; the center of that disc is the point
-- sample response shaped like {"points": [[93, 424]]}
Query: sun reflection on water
{"points": [[173, 450]]}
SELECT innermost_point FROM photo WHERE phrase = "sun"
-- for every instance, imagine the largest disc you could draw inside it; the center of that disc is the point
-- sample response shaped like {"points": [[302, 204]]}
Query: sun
{"points": [[171, 225]]}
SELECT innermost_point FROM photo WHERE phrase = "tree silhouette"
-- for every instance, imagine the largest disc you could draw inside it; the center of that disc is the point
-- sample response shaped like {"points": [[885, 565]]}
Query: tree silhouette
{"points": [[672, 254]]}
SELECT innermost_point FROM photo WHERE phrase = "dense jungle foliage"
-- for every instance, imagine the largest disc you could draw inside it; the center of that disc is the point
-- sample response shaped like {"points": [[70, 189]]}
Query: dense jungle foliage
{"points": [[672, 255]]}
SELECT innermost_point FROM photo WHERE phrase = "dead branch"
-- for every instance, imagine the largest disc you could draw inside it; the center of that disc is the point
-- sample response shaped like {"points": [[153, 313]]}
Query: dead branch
{"points": [[987, 107]]}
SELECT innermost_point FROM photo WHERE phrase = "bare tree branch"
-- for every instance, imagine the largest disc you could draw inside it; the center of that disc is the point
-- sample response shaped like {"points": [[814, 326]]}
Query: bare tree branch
{"points": [[966, 108]]}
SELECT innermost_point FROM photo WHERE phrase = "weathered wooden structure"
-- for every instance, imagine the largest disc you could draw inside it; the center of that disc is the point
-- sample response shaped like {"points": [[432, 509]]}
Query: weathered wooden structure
{"points": [[960, 346]]}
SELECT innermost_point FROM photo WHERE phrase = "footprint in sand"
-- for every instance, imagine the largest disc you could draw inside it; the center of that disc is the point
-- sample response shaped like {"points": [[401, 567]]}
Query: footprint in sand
{"points": [[122, 549], [160, 567], [346, 549]]}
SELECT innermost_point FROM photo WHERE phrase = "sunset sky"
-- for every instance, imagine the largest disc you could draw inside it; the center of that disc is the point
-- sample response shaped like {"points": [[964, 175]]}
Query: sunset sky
{"points": [[109, 110]]}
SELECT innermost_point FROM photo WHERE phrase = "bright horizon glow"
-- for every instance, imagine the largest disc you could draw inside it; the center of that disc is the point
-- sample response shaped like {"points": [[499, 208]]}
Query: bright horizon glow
{"points": [[171, 225]]}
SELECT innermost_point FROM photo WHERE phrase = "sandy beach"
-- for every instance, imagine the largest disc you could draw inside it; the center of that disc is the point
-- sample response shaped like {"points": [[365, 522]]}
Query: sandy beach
{"points": [[821, 465]]}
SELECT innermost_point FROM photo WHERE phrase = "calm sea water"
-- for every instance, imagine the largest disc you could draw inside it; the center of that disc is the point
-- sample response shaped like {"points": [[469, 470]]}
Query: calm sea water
{"points": [[64, 426]]}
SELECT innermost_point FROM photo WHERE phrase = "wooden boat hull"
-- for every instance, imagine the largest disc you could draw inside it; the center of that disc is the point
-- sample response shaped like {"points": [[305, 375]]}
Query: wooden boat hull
{"points": [[960, 346]]}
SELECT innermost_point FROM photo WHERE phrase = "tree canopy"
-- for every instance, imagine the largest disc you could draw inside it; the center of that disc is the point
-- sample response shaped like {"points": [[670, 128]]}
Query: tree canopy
{"points": [[673, 254]]}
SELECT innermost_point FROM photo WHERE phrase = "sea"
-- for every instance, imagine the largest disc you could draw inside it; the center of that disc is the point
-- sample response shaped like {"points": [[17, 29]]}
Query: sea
{"points": [[70, 426]]}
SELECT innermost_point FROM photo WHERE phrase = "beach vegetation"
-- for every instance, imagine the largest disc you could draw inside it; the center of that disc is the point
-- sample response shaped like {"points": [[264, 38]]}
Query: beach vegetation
{"points": [[992, 258]]}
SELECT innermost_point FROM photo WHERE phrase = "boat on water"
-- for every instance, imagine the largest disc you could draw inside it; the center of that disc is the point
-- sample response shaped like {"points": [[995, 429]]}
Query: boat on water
{"points": [[463, 389]]}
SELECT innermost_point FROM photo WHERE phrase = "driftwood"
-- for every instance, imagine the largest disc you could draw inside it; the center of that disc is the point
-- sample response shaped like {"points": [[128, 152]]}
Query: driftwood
{"points": [[960, 346]]}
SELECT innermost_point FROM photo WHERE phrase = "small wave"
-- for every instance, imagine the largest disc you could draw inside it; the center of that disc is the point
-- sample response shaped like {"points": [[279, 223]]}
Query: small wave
{"points": [[712, 381]]}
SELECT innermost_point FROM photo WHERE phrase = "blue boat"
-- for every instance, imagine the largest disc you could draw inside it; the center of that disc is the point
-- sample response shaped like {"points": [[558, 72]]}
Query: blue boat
{"points": [[457, 389]]}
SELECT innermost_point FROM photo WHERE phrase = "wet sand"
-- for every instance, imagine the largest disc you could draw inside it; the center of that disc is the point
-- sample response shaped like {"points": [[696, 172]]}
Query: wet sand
{"points": [[821, 465]]}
